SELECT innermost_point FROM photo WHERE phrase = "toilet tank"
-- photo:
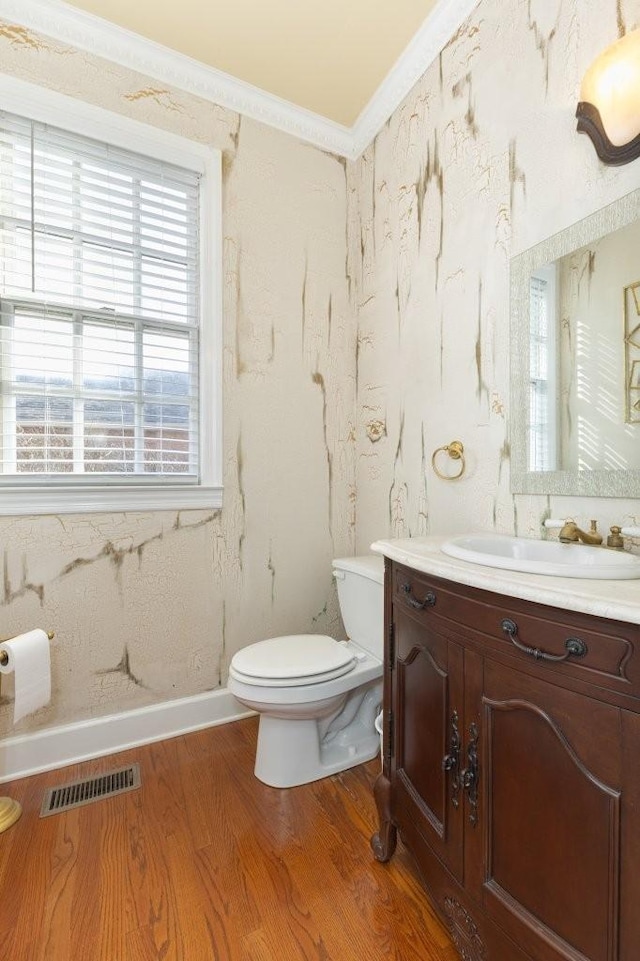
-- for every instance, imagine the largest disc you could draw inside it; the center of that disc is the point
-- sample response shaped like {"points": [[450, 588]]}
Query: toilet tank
{"points": [[360, 583]]}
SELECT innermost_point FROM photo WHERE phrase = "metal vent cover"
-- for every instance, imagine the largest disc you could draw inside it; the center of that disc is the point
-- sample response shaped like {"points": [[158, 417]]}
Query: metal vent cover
{"points": [[89, 789]]}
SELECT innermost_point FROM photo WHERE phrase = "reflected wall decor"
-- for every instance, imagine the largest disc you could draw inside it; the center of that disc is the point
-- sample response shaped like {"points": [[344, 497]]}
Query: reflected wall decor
{"points": [[632, 351]]}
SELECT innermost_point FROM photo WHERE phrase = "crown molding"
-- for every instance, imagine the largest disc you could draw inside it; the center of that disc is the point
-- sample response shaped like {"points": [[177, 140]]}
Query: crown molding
{"points": [[104, 39], [441, 25], [67, 24]]}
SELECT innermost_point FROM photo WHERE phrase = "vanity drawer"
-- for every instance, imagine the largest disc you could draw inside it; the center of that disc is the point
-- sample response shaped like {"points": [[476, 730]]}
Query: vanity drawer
{"points": [[595, 650]]}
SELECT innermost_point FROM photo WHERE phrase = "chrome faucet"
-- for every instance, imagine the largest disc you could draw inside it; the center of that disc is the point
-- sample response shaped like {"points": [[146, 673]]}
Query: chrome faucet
{"points": [[571, 533]]}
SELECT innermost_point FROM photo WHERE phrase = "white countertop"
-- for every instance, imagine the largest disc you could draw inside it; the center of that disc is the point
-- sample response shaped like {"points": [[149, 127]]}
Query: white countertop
{"points": [[619, 600]]}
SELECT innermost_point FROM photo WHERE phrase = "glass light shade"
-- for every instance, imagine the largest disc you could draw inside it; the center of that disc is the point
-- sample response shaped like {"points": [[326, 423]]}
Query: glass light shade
{"points": [[612, 86], [609, 108]]}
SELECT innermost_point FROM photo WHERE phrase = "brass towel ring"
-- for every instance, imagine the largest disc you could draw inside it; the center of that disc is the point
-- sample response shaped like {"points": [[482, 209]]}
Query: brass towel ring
{"points": [[455, 450]]}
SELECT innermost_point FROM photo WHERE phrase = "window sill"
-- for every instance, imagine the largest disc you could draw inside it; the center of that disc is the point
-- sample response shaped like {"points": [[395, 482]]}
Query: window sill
{"points": [[108, 500]]}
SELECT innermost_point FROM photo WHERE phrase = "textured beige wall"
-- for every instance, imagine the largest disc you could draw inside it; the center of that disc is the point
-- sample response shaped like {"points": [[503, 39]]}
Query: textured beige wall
{"points": [[152, 606], [479, 163]]}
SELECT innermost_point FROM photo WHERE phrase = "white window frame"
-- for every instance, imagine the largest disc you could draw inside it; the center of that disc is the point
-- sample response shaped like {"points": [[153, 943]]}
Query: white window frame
{"points": [[33, 496]]}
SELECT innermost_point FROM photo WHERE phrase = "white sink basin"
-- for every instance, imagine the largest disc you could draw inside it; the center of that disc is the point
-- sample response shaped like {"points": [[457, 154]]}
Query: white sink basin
{"points": [[544, 557]]}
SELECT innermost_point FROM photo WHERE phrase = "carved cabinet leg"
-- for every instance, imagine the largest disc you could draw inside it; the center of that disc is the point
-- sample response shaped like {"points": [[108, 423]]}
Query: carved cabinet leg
{"points": [[383, 843]]}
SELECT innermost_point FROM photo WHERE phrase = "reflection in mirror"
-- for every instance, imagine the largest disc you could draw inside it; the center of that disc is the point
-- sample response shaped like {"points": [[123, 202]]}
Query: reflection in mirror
{"points": [[576, 358], [585, 390], [543, 338]]}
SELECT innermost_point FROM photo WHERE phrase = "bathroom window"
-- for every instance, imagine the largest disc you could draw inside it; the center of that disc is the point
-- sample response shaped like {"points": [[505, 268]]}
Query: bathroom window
{"points": [[108, 329]]}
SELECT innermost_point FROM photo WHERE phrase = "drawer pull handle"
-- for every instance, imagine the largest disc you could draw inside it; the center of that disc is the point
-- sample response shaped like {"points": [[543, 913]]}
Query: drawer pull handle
{"points": [[574, 646], [429, 600]]}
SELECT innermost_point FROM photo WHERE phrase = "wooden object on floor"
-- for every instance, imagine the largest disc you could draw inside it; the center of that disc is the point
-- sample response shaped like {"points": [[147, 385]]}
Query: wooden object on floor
{"points": [[206, 862], [10, 811]]}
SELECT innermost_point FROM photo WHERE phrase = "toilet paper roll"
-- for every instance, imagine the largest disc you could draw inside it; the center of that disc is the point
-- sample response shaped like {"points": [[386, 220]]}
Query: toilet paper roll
{"points": [[29, 660]]}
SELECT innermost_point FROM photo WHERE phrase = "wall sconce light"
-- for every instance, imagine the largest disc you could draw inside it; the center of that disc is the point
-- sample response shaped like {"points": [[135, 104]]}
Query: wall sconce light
{"points": [[609, 108]]}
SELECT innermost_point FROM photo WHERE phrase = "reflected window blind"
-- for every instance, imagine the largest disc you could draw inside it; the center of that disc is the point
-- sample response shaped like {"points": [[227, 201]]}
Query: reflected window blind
{"points": [[538, 382], [99, 310]]}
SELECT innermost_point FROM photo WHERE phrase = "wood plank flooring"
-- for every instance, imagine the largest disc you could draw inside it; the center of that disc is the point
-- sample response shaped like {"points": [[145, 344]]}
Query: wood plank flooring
{"points": [[205, 862]]}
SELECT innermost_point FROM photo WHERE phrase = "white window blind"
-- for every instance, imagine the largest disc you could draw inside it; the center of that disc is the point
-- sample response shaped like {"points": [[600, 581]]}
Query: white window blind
{"points": [[99, 311]]}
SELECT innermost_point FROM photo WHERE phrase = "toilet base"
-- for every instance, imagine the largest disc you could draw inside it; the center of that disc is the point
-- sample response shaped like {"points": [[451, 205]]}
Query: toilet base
{"points": [[292, 752]]}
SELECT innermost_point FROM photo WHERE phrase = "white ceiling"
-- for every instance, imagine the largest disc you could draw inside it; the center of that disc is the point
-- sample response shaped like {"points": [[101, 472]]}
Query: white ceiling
{"points": [[328, 56]]}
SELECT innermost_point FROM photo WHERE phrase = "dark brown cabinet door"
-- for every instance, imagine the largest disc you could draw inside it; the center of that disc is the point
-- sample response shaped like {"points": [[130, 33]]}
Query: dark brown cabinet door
{"points": [[545, 862], [427, 708], [513, 771]]}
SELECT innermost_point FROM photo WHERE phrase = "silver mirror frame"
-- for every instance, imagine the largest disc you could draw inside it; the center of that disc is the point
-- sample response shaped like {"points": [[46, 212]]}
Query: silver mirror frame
{"points": [[598, 483]]}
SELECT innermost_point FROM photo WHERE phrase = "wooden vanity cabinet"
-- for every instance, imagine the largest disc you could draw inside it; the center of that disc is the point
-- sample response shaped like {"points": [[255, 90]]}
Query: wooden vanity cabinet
{"points": [[513, 779]]}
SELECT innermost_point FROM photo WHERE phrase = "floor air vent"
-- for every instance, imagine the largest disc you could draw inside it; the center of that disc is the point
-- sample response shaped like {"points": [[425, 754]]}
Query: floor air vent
{"points": [[90, 789]]}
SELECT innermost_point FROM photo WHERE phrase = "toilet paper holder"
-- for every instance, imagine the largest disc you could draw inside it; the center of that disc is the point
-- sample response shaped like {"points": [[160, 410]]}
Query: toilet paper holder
{"points": [[10, 809], [4, 657]]}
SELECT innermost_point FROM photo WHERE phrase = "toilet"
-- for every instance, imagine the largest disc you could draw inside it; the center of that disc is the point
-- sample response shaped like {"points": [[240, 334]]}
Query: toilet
{"points": [[317, 697]]}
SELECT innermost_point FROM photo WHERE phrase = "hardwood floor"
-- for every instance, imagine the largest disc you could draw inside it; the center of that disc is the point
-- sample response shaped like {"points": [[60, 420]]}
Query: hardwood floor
{"points": [[205, 862]]}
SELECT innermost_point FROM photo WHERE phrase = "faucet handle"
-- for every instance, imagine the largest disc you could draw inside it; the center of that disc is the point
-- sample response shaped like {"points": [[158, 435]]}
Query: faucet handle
{"points": [[615, 538], [594, 527]]}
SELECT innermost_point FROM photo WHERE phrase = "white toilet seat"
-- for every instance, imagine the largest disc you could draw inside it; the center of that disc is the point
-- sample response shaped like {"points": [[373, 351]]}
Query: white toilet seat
{"points": [[292, 661]]}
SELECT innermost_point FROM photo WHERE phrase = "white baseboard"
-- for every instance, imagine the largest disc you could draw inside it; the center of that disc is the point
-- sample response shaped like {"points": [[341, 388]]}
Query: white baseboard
{"points": [[56, 747]]}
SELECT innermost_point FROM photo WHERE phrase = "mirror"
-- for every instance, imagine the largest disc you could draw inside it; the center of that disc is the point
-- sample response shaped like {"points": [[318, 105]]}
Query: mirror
{"points": [[575, 358]]}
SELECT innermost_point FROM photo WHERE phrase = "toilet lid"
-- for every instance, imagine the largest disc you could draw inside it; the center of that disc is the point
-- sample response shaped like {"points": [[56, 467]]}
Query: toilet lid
{"points": [[293, 659]]}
